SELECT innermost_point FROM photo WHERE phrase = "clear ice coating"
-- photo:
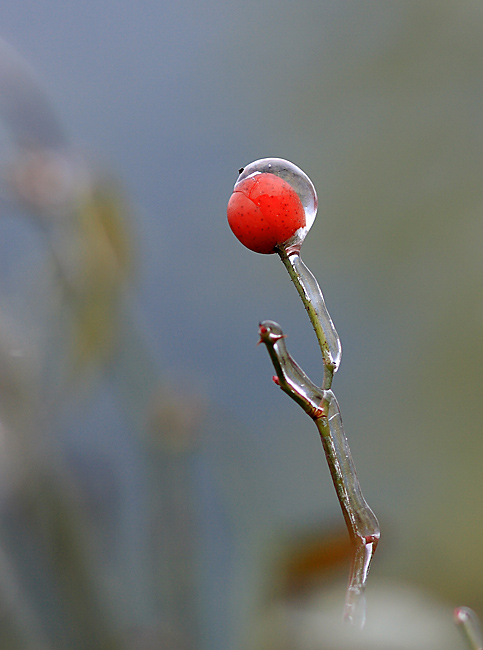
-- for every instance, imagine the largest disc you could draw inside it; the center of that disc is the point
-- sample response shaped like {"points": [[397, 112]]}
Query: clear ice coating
{"points": [[296, 178], [315, 297], [290, 376]]}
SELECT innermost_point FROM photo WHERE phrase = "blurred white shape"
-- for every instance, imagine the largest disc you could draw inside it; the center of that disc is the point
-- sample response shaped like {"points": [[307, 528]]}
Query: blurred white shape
{"points": [[47, 181], [399, 617]]}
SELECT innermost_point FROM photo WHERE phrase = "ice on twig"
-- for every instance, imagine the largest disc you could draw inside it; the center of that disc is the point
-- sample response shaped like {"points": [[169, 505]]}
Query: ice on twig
{"points": [[322, 406]]}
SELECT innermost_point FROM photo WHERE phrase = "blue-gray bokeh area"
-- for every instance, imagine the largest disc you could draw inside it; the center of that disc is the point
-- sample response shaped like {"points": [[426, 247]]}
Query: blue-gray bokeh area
{"points": [[380, 103]]}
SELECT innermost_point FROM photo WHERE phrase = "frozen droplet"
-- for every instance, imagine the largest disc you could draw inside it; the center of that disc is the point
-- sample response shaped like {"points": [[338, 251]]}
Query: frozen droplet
{"points": [[296, 178]]}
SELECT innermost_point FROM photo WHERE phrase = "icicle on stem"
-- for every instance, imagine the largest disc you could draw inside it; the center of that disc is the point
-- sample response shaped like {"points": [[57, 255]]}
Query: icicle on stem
{"points": [[313, 300], [361, 522], [468, 621]]}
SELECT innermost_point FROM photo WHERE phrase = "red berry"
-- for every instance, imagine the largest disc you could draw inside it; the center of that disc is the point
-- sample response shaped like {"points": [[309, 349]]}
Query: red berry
{"points": [[265, 211]]}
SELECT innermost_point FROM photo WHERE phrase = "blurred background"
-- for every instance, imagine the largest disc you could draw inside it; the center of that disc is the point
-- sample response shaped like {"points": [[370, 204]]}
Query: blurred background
{"points": [[156, 489]]}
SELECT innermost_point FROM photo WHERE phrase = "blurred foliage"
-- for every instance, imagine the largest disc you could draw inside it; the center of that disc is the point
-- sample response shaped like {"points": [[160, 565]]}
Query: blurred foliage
{"points": [[59, 574]]}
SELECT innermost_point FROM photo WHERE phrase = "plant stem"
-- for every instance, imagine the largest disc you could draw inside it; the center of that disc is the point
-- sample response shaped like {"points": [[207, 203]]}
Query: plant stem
{"points": [[322, 406]]}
